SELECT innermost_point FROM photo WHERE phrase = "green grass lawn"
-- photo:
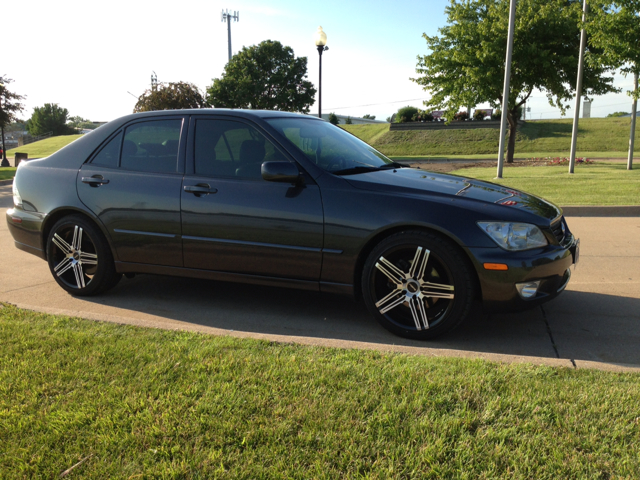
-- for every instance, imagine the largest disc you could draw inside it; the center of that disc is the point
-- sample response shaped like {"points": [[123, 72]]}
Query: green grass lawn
{"points": [[45, 147], [596, 184], [518, 156], [147, 403], [535, 138], [7, 172]]}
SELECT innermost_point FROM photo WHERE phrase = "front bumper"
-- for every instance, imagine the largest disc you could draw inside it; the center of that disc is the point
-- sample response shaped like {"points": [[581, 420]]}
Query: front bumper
{"points": [[551, 266]]}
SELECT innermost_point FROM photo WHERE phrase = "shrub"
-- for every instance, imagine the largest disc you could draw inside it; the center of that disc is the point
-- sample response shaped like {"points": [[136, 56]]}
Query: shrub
{"points": [[348, 121], [479, 114], [461, 116], [333, 119], [422, 116], [496, 115], [405, 114]]}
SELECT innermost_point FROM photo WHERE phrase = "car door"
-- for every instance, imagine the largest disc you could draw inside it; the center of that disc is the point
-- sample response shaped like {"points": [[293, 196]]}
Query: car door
{"points": [[133, 185], [235, 221]]}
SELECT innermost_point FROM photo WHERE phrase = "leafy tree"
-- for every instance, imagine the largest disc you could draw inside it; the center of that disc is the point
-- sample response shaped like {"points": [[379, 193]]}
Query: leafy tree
{"points": [[9, 107], [466, 63], [348, 121], [617, 114], [405, 114], [614, 28], [170, 96], [50, 118], [333, 119], [370, 117], [265, 76]]}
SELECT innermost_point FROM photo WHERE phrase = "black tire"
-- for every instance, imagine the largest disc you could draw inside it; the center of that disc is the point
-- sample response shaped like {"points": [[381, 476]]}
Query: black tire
{"points": [[413, 297], [79, 257]]}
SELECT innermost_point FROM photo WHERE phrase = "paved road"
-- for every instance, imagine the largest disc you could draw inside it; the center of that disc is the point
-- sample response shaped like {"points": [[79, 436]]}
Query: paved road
{"points": [[594, 324]]}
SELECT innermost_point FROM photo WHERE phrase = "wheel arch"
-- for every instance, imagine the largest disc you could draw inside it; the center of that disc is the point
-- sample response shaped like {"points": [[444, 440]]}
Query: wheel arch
{"points": [[56, 215], [380, 236]]}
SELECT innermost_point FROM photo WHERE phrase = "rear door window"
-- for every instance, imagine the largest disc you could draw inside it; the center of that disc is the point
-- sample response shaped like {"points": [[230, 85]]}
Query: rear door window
{"points": [[152, 146]]}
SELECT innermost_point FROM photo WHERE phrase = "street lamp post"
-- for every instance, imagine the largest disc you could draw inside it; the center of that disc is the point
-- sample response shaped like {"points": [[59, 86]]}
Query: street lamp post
{"points": [[321, 41]]}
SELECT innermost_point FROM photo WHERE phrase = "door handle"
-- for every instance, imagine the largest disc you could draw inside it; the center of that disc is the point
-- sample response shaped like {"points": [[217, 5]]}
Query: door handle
{"points": [[95, 180], [200, 189]]}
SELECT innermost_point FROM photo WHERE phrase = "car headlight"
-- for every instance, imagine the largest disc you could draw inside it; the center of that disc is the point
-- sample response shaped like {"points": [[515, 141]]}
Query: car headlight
{"points": [[514, 236], [17, 199]]}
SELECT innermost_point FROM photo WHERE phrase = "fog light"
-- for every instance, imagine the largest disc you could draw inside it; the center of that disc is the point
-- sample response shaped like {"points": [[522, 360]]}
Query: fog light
{"points": [[528, 290]]}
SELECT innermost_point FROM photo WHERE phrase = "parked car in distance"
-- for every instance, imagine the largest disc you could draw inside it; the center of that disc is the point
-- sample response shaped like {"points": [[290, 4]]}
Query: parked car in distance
{"points": [[274, 198]]}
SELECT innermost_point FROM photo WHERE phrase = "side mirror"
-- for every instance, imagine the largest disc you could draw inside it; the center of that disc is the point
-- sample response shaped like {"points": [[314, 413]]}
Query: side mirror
{"points": [[283, 172]]}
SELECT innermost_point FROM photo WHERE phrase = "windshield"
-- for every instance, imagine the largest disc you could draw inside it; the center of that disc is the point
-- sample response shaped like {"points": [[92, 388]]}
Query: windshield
{"points": [[330, 147]]}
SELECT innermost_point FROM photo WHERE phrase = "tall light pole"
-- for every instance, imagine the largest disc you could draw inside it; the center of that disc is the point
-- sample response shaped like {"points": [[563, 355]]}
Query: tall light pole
{"points": [[226, 16], [505, 88], [576, 113], [633, 124], [321, 41]]}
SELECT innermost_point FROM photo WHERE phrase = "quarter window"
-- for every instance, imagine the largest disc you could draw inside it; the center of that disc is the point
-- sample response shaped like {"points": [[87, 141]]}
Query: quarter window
{"points": [[108, 156], [152, 146]]}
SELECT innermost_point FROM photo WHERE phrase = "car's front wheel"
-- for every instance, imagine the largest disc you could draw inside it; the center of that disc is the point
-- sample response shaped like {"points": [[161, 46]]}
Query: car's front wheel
{"points": [[79, 257], [417, 285]]}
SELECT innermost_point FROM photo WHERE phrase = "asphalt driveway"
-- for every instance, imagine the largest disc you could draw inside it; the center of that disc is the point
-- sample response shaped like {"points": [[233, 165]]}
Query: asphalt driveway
{"points": [[594, 324]]}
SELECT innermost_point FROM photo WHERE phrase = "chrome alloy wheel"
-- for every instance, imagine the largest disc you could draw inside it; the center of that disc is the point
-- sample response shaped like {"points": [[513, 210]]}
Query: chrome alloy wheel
{"points": [[75, 259], [414, 287]]}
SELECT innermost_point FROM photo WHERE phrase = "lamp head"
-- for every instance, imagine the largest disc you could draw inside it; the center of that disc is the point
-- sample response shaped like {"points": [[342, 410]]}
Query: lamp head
{"points": [[321, 38]]}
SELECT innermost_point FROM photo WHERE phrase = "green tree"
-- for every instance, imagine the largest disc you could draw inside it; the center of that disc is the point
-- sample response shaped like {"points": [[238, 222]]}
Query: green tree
{"points": [[333, 119], [9, 107], [614, 28], [617, 114], [348, 121], [170, 96], [406, 114], [265, 76], [466, 63], [370, 117], [50, 118]]}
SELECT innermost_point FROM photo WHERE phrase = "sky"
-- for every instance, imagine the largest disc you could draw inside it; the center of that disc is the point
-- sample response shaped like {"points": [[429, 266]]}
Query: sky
{"points": [[96, 58]]}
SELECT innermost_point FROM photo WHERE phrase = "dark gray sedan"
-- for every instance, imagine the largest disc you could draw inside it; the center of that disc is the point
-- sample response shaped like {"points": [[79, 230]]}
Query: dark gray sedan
{"points": [[273, 198]]}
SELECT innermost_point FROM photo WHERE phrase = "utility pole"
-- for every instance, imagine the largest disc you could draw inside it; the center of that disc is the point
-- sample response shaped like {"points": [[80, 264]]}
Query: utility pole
{"points": [[226, 16], [576, 113], [505, 88], [633, 123]]}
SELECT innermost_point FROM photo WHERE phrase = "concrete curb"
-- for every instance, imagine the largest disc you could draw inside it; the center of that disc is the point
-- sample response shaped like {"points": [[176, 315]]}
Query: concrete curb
{"points": [[601, 211], [6, 182]]}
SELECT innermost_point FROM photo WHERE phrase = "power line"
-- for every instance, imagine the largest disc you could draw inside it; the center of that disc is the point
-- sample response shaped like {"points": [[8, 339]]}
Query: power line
{"points": [[375, 104]]}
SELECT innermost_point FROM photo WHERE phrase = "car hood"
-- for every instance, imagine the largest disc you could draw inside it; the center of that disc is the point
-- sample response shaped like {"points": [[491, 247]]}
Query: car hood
{"points": [[417, 181]]}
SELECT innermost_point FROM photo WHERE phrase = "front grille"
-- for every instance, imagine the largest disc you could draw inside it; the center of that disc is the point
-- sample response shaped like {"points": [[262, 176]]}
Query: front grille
{"points": [[557, 229]]}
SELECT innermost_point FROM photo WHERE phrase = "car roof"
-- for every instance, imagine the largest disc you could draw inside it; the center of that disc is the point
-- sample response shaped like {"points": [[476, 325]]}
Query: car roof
{"points": [[218, 111]]}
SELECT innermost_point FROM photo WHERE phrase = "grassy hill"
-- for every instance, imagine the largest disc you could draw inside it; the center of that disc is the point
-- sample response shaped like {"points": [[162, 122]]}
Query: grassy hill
{"points": [[535, 138], [597, 137], [45, 147]]}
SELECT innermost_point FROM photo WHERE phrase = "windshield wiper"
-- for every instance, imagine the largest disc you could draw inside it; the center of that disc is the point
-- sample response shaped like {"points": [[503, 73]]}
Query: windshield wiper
{"points": [[366, 169], [354, 170]]}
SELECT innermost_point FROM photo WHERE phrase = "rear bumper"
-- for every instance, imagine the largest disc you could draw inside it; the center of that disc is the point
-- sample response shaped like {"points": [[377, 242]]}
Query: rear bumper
{"points": [[26, 230], [551, 266]]}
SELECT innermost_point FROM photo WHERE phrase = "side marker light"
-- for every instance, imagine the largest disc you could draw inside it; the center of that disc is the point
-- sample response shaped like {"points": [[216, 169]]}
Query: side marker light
{"points": [[495, 266]]}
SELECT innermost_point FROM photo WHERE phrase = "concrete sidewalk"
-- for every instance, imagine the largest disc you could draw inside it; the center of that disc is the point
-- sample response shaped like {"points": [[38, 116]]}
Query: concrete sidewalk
{"points": [[594, 324]]}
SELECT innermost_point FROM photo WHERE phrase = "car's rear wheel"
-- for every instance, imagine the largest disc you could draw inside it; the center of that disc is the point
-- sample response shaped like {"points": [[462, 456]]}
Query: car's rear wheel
{"points": [[417, 285], [79, 257]]}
